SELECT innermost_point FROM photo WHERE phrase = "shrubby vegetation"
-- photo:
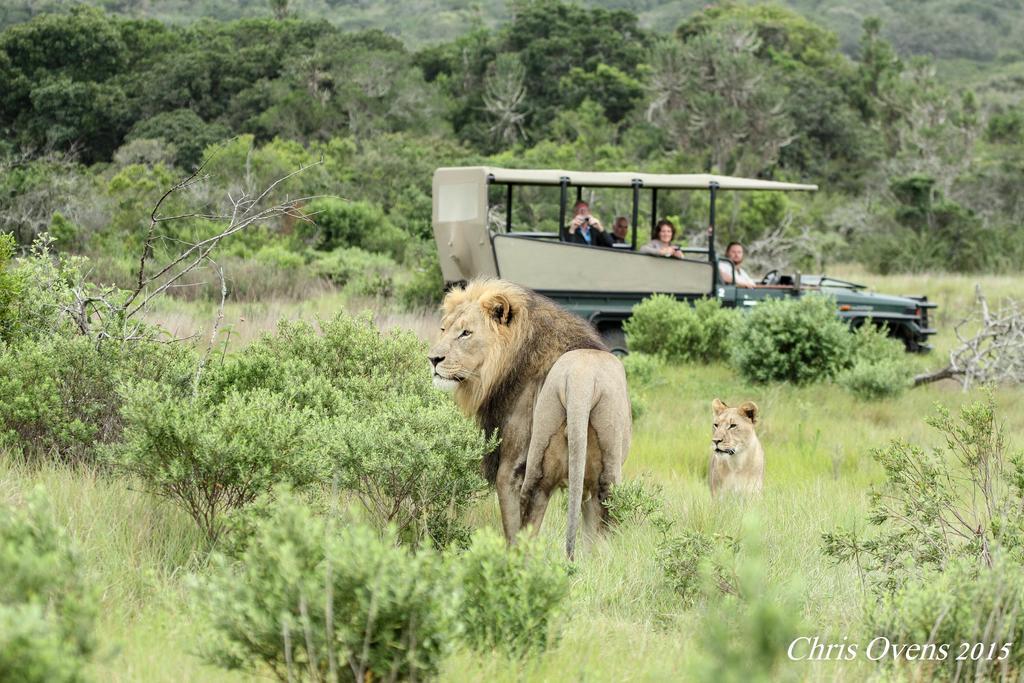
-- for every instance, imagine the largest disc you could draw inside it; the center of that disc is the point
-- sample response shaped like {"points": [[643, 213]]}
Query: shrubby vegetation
{"points": [[879, 367], [317, 596], [300, 408], [96, 135], [797, 341], [676, 330], [47, 612], [510, 597], [943, 552], [309, 599]]}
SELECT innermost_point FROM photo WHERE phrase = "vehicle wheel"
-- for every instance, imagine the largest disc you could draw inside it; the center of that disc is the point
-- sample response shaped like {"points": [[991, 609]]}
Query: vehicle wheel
{"points": [[615, 339], [902, 333]]}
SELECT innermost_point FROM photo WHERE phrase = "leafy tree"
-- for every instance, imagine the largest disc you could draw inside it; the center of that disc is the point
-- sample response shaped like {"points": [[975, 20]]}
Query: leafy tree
{"points": [[183, 129]]}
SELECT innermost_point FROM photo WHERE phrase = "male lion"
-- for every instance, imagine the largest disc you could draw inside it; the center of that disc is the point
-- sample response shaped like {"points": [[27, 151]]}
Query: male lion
{"points": [[541, 377], [737, 459]]}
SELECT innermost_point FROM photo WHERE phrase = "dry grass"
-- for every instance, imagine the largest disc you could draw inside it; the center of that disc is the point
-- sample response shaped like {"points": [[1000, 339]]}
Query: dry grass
{"points": [[245, 322]]}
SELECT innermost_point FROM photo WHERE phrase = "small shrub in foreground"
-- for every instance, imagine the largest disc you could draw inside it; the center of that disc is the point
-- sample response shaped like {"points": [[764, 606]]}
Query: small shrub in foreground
{"points": [[795, 340], [46, 613], [960, 604], [693, 561], [635, 501], [210, 457], [308, 601], [679, 332], [510, 596], [937, 505], [745, 636]]}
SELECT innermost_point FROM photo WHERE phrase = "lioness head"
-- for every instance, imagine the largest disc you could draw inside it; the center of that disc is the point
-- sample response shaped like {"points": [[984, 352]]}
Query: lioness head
{"points": [[732, 428], [482, 327]]}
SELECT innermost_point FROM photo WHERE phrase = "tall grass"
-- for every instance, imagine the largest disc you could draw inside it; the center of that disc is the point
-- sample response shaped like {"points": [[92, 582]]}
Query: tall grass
{"points": [[624, 623]]}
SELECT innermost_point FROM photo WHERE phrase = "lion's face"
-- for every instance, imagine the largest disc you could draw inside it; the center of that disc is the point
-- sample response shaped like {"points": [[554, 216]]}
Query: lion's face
{"points": [[482, 326], [466, 337], [732, 429]]}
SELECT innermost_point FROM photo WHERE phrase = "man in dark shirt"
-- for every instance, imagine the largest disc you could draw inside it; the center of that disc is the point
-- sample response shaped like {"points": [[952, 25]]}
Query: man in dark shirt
{"points": [[586, 229], [620, 228]]}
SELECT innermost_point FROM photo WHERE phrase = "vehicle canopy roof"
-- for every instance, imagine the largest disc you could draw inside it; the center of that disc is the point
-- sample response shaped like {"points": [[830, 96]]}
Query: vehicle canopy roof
{"points": [[682, 181]]}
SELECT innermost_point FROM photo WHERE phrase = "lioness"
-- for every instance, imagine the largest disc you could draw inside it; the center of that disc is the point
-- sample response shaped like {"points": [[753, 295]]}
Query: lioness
{"points": [[737, 459], [521, 365]]}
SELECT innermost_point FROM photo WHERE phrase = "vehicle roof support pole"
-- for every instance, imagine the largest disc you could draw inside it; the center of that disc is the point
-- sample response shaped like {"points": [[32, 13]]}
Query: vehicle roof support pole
{"points": [[636, 208], [711, 240], [561, 207], [654, 211], [508, 208], [579, 193]]}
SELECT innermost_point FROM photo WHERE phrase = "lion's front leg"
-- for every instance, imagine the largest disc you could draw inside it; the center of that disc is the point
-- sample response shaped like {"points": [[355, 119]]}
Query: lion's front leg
{"points": [[508, 484]]}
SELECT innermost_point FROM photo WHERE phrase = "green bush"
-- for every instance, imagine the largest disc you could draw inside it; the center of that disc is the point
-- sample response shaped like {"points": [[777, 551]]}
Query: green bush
{"points": [[744, 637], [635, 501], [211, 455], [309, 601], [414, 465], [880, 368], [340, 223], [12, 286], [278, 255], [359, 272], [937, 506], [298, 407], [959, 604], [59, 395], [692, 561], [795, 340], [47, 614], [676, 331], [510, 595], [870, 381]]}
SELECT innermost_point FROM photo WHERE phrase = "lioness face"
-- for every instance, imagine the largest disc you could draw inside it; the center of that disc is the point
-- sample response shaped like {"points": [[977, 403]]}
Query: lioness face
{"points": [[462, 348], [732, 428]]}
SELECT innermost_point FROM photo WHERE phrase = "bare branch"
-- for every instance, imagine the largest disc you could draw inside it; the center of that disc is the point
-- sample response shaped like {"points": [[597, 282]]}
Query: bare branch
{"points": [[994, 354]]}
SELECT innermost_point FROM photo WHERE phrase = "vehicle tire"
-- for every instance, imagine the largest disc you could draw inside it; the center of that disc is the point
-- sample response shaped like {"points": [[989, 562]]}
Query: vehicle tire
{"points": [[615, 339]]}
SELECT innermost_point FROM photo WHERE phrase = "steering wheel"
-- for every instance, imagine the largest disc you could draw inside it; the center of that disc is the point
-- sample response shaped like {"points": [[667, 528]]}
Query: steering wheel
{"points": [[770, 278]]}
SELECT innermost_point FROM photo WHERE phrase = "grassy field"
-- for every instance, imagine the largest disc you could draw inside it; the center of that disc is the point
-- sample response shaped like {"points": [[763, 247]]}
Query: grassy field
{"points": [[623, 622]]}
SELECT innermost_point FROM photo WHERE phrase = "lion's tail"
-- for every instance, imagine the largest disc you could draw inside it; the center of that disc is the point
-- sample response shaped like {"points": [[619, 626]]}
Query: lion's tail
{"points": [[577, 419]]}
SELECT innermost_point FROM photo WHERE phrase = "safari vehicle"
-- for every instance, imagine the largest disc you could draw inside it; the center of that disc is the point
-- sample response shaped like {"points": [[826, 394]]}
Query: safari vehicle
{"points": [[473, 226]]}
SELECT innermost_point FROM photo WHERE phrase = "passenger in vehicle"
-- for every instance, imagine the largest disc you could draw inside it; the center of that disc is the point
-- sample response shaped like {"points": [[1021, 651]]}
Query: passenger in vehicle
{"points": [[734, 252], [662, 245], [619, 230], [586, 229]]}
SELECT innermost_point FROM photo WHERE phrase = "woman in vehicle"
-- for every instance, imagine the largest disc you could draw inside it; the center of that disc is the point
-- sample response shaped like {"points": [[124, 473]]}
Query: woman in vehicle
{"points": [[662, 245]]}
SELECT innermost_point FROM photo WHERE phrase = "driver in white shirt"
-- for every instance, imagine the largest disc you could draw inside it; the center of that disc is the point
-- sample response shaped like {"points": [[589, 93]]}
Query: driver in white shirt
{"points": [[734, 252]]}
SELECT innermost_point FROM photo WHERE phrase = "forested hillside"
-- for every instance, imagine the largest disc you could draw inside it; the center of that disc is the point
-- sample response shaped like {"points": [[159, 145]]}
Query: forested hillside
{"points": [[983, 31], [99, 113]]}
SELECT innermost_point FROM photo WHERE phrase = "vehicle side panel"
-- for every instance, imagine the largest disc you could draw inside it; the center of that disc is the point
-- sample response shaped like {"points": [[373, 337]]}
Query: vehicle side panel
{"points": [[547, 266]]}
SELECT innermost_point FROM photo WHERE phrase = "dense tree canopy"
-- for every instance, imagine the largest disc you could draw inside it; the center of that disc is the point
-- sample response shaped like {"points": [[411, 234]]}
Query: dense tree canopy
{"points": [[93, 103]]}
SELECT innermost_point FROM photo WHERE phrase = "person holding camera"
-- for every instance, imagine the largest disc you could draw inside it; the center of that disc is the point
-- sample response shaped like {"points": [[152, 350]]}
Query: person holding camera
{"points": [[662, 245], [585, 228]]}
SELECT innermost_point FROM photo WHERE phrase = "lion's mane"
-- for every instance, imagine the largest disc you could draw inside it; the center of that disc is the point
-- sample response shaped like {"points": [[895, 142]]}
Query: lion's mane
{"points": [[530, 332]]}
